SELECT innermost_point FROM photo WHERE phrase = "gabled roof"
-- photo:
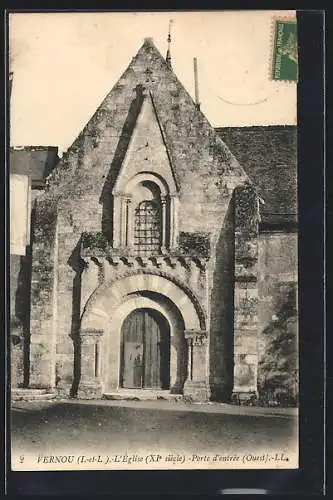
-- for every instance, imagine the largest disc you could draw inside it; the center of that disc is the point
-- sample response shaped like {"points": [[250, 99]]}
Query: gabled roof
{"points": [[265, 154], [192, 143], [35, 161], [269, 156]]}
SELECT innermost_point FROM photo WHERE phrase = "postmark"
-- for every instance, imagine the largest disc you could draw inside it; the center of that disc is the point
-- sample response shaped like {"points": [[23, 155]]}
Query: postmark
{"points": [[285, 50]]}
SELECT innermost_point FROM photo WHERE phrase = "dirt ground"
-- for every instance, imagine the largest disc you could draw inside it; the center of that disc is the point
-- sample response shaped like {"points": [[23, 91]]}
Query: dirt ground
{"points": [[61, 427]]}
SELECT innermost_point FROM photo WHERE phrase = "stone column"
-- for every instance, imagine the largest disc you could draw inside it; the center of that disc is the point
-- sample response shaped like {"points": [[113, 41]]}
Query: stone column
{"points": [[90, 386], [246, 338], [196, 386], [246, 292], [116, 220], [164, 223], [123, 220], [173, 220], [129, 240]]}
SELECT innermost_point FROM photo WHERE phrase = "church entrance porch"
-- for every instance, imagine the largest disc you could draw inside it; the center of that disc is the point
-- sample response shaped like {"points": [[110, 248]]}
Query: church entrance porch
{"points": [[134, 336], [145, 351]]}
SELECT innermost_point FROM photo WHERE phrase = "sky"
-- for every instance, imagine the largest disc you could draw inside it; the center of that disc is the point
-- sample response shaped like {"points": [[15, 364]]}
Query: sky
{"points": [[64, 65]]}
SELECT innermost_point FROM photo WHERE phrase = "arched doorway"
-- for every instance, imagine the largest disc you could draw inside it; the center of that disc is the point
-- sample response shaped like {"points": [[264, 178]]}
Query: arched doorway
{"points": [[145, 350], [102, 322]]}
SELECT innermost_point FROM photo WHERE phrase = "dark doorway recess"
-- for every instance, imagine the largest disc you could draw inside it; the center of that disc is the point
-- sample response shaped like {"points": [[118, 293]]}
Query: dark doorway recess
{"points": [[145, 350]]}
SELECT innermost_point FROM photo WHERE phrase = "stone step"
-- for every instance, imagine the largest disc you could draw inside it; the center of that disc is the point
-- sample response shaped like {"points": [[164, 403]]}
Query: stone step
{"points": [[25, 390], [18, 394], [142, 395]]}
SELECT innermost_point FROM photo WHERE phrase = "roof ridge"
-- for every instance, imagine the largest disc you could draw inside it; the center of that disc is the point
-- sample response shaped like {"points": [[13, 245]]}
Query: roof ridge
{"points": [[271, 126]]}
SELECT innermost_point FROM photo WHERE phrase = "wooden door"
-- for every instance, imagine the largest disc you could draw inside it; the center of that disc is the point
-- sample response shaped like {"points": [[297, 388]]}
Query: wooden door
{"points": [[132, 351], [133, 365], [145, 350]]}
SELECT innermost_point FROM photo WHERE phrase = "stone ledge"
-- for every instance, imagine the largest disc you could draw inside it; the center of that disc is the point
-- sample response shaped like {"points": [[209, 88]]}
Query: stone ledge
{"points": [[115, 257], [25, 394], [142, 395], [97, 246]]}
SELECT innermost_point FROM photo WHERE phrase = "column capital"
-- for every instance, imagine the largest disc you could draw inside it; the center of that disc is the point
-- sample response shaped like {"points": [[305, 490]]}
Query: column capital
{"points": [[122, 195], [126, 197], [199, 341], [198, 337], [190, 334], [90, 335]]}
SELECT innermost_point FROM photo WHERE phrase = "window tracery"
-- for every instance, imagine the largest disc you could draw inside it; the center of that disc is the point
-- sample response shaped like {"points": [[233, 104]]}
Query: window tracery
{"points": [[147, 228]]}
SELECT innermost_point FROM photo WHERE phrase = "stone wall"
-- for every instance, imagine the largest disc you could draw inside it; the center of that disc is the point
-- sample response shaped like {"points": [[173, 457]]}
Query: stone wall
{"points": [[221, 320], [43, 292], [20, 275], [277, 266]]}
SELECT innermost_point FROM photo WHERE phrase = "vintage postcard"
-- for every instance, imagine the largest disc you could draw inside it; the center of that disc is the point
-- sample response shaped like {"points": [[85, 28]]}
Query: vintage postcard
{"points": [[153, 256]]}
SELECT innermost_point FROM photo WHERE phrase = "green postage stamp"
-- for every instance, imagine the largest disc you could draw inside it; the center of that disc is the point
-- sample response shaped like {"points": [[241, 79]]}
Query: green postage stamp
{"points": [[285, 55]]}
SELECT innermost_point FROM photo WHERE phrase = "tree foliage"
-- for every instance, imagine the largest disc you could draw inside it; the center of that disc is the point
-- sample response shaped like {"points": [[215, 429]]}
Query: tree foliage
{"points": [[278, 370]]}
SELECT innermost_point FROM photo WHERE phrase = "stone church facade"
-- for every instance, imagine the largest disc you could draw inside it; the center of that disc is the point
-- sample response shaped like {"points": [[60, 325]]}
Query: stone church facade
{"points": [[147, 252]]}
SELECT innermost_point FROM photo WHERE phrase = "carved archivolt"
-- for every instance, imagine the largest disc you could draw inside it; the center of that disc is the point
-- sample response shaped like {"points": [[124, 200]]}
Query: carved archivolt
{"points": [[149, 280]]}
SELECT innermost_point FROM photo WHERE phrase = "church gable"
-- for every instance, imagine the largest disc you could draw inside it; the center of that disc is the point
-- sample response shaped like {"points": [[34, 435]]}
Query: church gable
{"points": [[169, 114], [150, 211]]}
